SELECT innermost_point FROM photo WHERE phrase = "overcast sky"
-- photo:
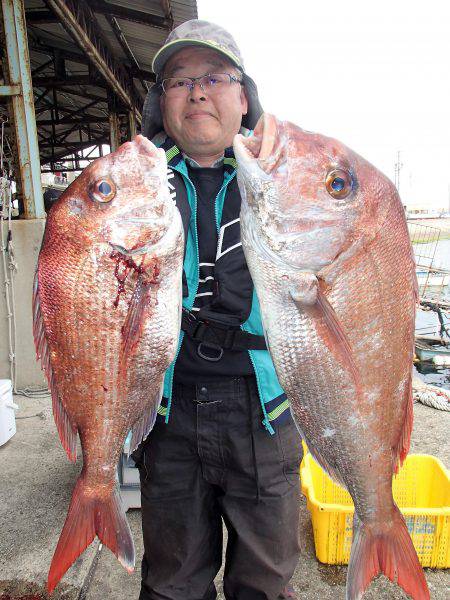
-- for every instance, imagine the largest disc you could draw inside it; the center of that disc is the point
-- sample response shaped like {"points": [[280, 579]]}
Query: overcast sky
{"points": [[374, 74]]}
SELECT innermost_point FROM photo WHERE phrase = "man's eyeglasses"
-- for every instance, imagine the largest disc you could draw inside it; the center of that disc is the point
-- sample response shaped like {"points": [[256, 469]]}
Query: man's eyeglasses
{"points": [[213, 83]]}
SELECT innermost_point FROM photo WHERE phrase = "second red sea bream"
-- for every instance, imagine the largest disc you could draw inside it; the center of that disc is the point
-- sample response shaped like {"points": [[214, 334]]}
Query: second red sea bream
{"points": [[327, 245]]}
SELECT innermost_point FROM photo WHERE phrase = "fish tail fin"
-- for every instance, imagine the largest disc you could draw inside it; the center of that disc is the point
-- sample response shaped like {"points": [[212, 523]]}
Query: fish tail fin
{"points": [[390, 552], [89, 516]]}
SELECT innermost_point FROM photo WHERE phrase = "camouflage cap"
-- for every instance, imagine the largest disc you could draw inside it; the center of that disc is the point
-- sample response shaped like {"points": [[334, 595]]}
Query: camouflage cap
{"points": [[198, 33]]}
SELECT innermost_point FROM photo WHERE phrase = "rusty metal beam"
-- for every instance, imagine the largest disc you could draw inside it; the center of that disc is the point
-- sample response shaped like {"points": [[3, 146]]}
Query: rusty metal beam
{"points": [[75, 157], [67, 111], [82, 127], [129, 14], [10, 90], [41, 68], [132, 125], [35, 16], [72, 121], [60, 139], [167, 9], [83, 94], [74, 145], [114, 131], [73, 148], [125, 46], [83, 109], [18, 67], [79, 21], [43, 47], [56, 82]]}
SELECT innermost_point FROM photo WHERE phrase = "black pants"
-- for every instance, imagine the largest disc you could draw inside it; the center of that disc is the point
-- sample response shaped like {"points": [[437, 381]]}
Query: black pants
{"points": [[214, 461]]}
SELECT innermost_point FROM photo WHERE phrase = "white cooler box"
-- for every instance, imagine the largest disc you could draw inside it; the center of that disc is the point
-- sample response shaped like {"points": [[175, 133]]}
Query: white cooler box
{"points": [[7, 415]]}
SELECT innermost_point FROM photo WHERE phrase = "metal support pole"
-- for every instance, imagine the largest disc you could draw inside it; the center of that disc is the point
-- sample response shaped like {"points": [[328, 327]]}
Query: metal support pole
{"points": [[114, 132], [9, 90], [132, 124], [18, 63]]}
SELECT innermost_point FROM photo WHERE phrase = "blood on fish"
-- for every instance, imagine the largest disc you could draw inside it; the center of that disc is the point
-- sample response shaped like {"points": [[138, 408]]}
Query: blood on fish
{"points": [[156, 271], [124, 264]]}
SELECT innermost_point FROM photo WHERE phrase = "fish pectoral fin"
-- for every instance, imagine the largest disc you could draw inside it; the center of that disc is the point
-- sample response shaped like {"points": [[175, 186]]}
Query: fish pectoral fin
{"points": [[145, 423], [66, 429], [132, 327], [401, 449], [304, 290], [310, 299], [389, 551], [329, 468]]}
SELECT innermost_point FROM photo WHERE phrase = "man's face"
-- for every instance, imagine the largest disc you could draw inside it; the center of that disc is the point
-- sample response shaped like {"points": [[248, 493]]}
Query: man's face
{"points": [[202, 123]]}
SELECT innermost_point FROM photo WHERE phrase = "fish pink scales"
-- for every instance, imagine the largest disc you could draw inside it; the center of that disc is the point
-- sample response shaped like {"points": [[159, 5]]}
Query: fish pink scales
{"points": [[106, 312], [326, 241]]}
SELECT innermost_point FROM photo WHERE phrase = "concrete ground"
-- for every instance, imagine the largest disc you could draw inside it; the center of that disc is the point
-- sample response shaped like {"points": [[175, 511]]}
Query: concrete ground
{"points": [[36, 481]]}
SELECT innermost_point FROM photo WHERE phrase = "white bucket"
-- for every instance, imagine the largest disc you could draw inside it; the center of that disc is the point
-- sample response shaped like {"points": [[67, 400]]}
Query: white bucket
{"points": [[7, 414]]}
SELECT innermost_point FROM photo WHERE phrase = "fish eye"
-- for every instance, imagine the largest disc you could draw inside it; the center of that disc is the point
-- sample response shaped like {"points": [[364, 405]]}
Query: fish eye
{"points": [[339, 183], [103, 190]]}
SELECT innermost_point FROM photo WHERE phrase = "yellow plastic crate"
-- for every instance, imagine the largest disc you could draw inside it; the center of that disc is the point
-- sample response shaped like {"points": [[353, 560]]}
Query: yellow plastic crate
{"points": [[421, 491]]}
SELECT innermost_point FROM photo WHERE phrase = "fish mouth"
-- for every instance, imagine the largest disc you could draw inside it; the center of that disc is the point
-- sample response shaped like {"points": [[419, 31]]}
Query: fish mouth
{"points": [[265, 148], [146, 159], [145, 148]]}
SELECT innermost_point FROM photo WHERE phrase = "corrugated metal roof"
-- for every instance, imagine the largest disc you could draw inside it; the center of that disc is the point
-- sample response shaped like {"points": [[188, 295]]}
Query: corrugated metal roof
{"points": [[77, 86]]}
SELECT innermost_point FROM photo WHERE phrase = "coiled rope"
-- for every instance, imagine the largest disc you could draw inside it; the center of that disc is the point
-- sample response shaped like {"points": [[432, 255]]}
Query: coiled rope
{"points": [[430, 395]]}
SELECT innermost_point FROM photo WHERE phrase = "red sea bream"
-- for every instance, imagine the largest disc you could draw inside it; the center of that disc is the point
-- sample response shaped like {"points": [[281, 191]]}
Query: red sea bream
{"points": [[106, 323], [325, 238]]}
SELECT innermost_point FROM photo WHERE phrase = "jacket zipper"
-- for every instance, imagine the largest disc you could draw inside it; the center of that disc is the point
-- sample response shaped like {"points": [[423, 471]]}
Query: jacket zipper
{"points": [[265, 421]]}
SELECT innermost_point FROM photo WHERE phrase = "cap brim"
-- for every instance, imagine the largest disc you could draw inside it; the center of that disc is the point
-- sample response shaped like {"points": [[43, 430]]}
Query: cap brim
{"points": [[163, 55]]}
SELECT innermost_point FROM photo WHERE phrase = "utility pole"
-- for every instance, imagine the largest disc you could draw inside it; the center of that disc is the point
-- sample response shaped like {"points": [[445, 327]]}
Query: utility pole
{"points": [[397, 168]]}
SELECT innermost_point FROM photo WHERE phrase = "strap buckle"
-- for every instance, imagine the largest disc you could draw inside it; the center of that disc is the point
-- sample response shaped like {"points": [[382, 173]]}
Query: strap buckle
{"points": [[213, 347]]}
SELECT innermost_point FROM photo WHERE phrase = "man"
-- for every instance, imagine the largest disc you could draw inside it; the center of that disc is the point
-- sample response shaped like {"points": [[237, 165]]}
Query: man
{"points": [[224, 445]]}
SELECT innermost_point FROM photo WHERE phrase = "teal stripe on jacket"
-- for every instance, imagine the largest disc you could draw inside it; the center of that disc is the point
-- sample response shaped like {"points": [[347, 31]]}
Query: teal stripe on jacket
{"points": [[270, 391]]}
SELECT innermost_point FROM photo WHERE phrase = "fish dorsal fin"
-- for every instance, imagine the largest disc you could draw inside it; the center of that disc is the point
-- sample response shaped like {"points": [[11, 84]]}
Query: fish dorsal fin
{"points": [[67, 431], [145, 423], [311, 300]]}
